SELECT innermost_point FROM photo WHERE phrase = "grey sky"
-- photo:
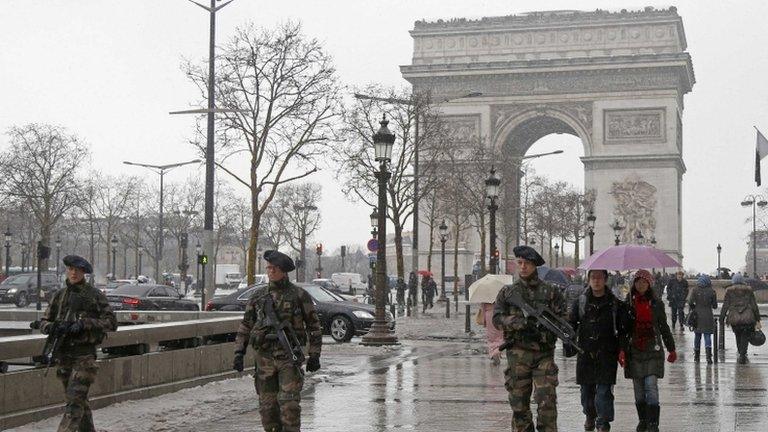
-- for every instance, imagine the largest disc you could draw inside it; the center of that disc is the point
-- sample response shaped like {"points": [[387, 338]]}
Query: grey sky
{"points": [[109, 71]]}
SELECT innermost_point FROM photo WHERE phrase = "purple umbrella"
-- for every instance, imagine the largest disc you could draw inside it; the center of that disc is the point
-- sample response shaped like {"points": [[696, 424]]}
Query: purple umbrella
{"points": [[628, 257]]}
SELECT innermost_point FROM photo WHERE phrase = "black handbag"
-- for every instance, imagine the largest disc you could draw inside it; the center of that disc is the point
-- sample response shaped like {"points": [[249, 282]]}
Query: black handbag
{"points": [[692, 320]]}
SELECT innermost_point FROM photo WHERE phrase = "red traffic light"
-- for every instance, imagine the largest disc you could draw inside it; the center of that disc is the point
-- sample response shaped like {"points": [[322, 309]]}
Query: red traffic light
{"points": [[319, 249]]}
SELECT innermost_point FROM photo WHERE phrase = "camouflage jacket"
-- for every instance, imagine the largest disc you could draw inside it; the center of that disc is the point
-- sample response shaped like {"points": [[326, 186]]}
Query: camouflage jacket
{"points": [[291, 304], [87, 304], [525, 332]]}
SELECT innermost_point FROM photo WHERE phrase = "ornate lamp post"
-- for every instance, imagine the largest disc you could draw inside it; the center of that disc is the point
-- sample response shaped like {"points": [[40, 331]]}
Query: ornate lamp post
{"points": [[752, 200], [198, 251], [492, 192], [141, 254], [443, 230], [23, 256], [58, 254], [591, 231], [374, 235], [319, 252], [719, 249], [114, 255], [8, 237], [557, 255], [380, 334], [616, 230]]}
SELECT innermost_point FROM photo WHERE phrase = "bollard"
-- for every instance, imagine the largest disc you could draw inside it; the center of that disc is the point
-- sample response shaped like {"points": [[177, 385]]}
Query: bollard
{"points": [[714, 345], [448, 307], [456, 305], [467, 324]]}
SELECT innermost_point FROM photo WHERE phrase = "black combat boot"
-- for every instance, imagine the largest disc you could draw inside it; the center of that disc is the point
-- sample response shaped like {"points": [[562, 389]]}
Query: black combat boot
{"points": [[696, 355], [709, 355], [642, 425], [589, 423], [653, 417]]}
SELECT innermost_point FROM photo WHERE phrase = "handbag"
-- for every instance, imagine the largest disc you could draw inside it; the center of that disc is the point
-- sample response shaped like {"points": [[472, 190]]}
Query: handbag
{"points": [[692, 320]]}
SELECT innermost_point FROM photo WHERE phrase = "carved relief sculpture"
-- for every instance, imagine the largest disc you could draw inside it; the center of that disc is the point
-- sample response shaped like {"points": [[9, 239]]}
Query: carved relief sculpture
{"points": [[634, 125], [634, 209]]}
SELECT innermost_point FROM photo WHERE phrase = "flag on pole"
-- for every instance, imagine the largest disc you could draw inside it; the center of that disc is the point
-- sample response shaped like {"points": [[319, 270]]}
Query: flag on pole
{"points": [[761, 151]]}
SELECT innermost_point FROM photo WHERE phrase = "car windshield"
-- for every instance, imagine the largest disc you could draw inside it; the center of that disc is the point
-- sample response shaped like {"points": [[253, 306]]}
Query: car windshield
{"points": [[132, 290], [18, 280], [320, 294]]}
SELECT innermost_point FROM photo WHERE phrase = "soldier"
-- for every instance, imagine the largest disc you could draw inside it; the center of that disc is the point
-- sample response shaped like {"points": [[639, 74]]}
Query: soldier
{"points": [[278, 380], [80, 314], [530, 358]]}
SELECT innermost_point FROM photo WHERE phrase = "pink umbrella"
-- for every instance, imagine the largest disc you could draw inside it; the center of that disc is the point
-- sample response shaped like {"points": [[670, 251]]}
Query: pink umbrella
{"points": [[628, 257]]}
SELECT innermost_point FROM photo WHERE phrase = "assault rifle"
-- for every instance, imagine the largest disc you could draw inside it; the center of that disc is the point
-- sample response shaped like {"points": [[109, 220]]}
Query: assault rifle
{"points": [[284, 333], [55, 339], [547, 319]]}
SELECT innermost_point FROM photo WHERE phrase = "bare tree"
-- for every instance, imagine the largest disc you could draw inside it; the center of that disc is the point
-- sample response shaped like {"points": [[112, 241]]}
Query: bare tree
{"points": [[300, 215], [39, 169], [287, 85]]}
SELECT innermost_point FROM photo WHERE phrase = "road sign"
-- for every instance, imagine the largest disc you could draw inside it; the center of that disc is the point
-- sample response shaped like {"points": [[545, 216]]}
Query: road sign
{"points": [[202, 259], [371, 258], [373, 245]]}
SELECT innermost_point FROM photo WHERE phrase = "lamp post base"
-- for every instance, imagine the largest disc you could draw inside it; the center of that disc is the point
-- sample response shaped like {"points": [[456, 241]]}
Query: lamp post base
{"points": [[379, 335]]}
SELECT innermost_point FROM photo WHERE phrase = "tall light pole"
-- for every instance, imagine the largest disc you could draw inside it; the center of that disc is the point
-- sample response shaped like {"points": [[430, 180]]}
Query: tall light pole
{"points": [[616, 230], [591, 230], [319, 252], [141, 253], [719, 249], [754, 201], [114, 255], [23, 256], [161, 170], [380, 334], [8, 238], [443, 231], [557, 255], [492, 184], [58, 254]]}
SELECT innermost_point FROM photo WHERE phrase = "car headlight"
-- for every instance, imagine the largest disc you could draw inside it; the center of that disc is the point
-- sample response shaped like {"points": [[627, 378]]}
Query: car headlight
{"points": [[12, 290], [363, 314]]}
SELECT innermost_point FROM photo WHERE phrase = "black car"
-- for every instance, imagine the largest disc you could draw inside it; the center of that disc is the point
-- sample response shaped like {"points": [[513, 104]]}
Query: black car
{"points": [[148, 297], [21, 289], [339, 318]]}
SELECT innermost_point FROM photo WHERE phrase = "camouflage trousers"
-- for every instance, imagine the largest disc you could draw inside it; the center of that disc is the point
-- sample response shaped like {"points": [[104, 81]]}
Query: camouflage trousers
{"points": [[76, 375], [278, 383], [532, 372]]}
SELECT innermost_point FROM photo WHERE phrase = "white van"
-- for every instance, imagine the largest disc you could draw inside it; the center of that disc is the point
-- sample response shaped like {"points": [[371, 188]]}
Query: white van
{"points": [[349, 282]]}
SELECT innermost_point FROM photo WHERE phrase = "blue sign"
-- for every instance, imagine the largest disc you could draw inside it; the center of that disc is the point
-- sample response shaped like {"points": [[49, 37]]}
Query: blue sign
{"points": [[373, 245]]}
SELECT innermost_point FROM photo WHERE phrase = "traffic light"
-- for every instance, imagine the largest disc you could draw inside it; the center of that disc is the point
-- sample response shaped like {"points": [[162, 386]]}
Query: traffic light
{"points": [[183, 240], [319, 249], [202, 259], [343, 251]]}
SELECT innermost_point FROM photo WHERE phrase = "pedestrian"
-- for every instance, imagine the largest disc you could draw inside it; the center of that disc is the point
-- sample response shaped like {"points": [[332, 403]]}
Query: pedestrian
{"points": [[277, 378], [494, 337], [658, 285], [428, 289], [400, 292], [531, 355], [649, 334], [703, 300], [413, 285], [600, 321], [677, 294], [741, 313], [81, 315]]}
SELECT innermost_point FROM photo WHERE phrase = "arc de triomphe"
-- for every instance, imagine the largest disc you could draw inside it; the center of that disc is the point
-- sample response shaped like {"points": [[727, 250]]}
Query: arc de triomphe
{"points": [[616, 80]]}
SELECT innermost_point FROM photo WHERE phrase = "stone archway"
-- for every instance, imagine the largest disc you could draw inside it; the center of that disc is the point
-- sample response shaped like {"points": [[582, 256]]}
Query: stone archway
{"points": [[616, 80]]}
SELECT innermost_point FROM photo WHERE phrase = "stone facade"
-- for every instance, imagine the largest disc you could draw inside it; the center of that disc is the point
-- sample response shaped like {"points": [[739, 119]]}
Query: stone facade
{"points": [[615, 80]]}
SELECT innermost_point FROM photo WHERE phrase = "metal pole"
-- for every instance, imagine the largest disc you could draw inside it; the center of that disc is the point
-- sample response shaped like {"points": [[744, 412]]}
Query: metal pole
{"points": [[7, 259], [39, 305], [442, 269], [754, 236], [58, 252], [202, 289], [114, 255], [493, 207], [159, 254], [415, 240], [591, 241], [139, 268]]}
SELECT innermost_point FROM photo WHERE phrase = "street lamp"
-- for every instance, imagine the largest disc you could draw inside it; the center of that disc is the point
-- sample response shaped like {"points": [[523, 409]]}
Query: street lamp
{"points": [[141, 253], [616, 230], [591, 231], [160, 170], [259, 250], [23, 256], [319, 252], [198, 251], [492, 192], [752, 200], [719, 249], [114, 255], [443, 230], [557, 255], [7, 250], [380, 334], [58, 254]]}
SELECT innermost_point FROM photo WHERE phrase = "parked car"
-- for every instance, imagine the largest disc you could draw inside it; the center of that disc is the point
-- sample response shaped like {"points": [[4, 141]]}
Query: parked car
{"points": [[148, 297], [341, 319], [334, 288], [111, 285], [257, 279], [21, 289]]}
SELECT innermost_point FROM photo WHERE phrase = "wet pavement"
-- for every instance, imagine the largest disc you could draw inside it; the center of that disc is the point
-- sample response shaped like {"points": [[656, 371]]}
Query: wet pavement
{"points": [[440, 379]]}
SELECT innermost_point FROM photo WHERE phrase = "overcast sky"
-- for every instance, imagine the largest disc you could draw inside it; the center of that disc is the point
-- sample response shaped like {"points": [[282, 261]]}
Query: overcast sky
{"points": [[109, 71]]}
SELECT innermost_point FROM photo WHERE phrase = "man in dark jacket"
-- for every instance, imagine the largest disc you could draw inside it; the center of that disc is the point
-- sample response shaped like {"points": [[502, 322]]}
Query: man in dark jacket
{"points": [[80, 314], [677, 294], [413, 285], [600, 320]]}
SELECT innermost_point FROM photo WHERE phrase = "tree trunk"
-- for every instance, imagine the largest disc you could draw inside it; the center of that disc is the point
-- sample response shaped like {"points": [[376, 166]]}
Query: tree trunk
{"points": [[483, 246], [431, 244], [456, 262]]}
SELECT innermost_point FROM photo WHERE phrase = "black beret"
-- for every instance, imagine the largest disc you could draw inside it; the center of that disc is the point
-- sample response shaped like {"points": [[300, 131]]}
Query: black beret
{"points": [[78, 262], [279, 259], [528, 253]]}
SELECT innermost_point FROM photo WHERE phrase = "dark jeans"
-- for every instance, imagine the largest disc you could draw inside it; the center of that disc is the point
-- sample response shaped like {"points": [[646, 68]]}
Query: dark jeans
{"points": [[597, 402], [743, 334], [678, 312], [697, 340]]}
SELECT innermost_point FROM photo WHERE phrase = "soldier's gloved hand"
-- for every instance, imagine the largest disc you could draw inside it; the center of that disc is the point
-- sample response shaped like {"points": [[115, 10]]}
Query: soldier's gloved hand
{"points": [[58, 329], [76, 328], [313, 364], [237, 363]]}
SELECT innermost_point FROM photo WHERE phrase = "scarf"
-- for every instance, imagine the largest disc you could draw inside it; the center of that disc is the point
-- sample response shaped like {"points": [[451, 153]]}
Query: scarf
{"points": [[643, 321]]}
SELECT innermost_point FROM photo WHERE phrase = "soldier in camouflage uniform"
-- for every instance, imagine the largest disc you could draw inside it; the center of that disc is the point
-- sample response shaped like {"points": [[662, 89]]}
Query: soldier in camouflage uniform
{"points": [[81, 315], [531, 363], [278, 381]]}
